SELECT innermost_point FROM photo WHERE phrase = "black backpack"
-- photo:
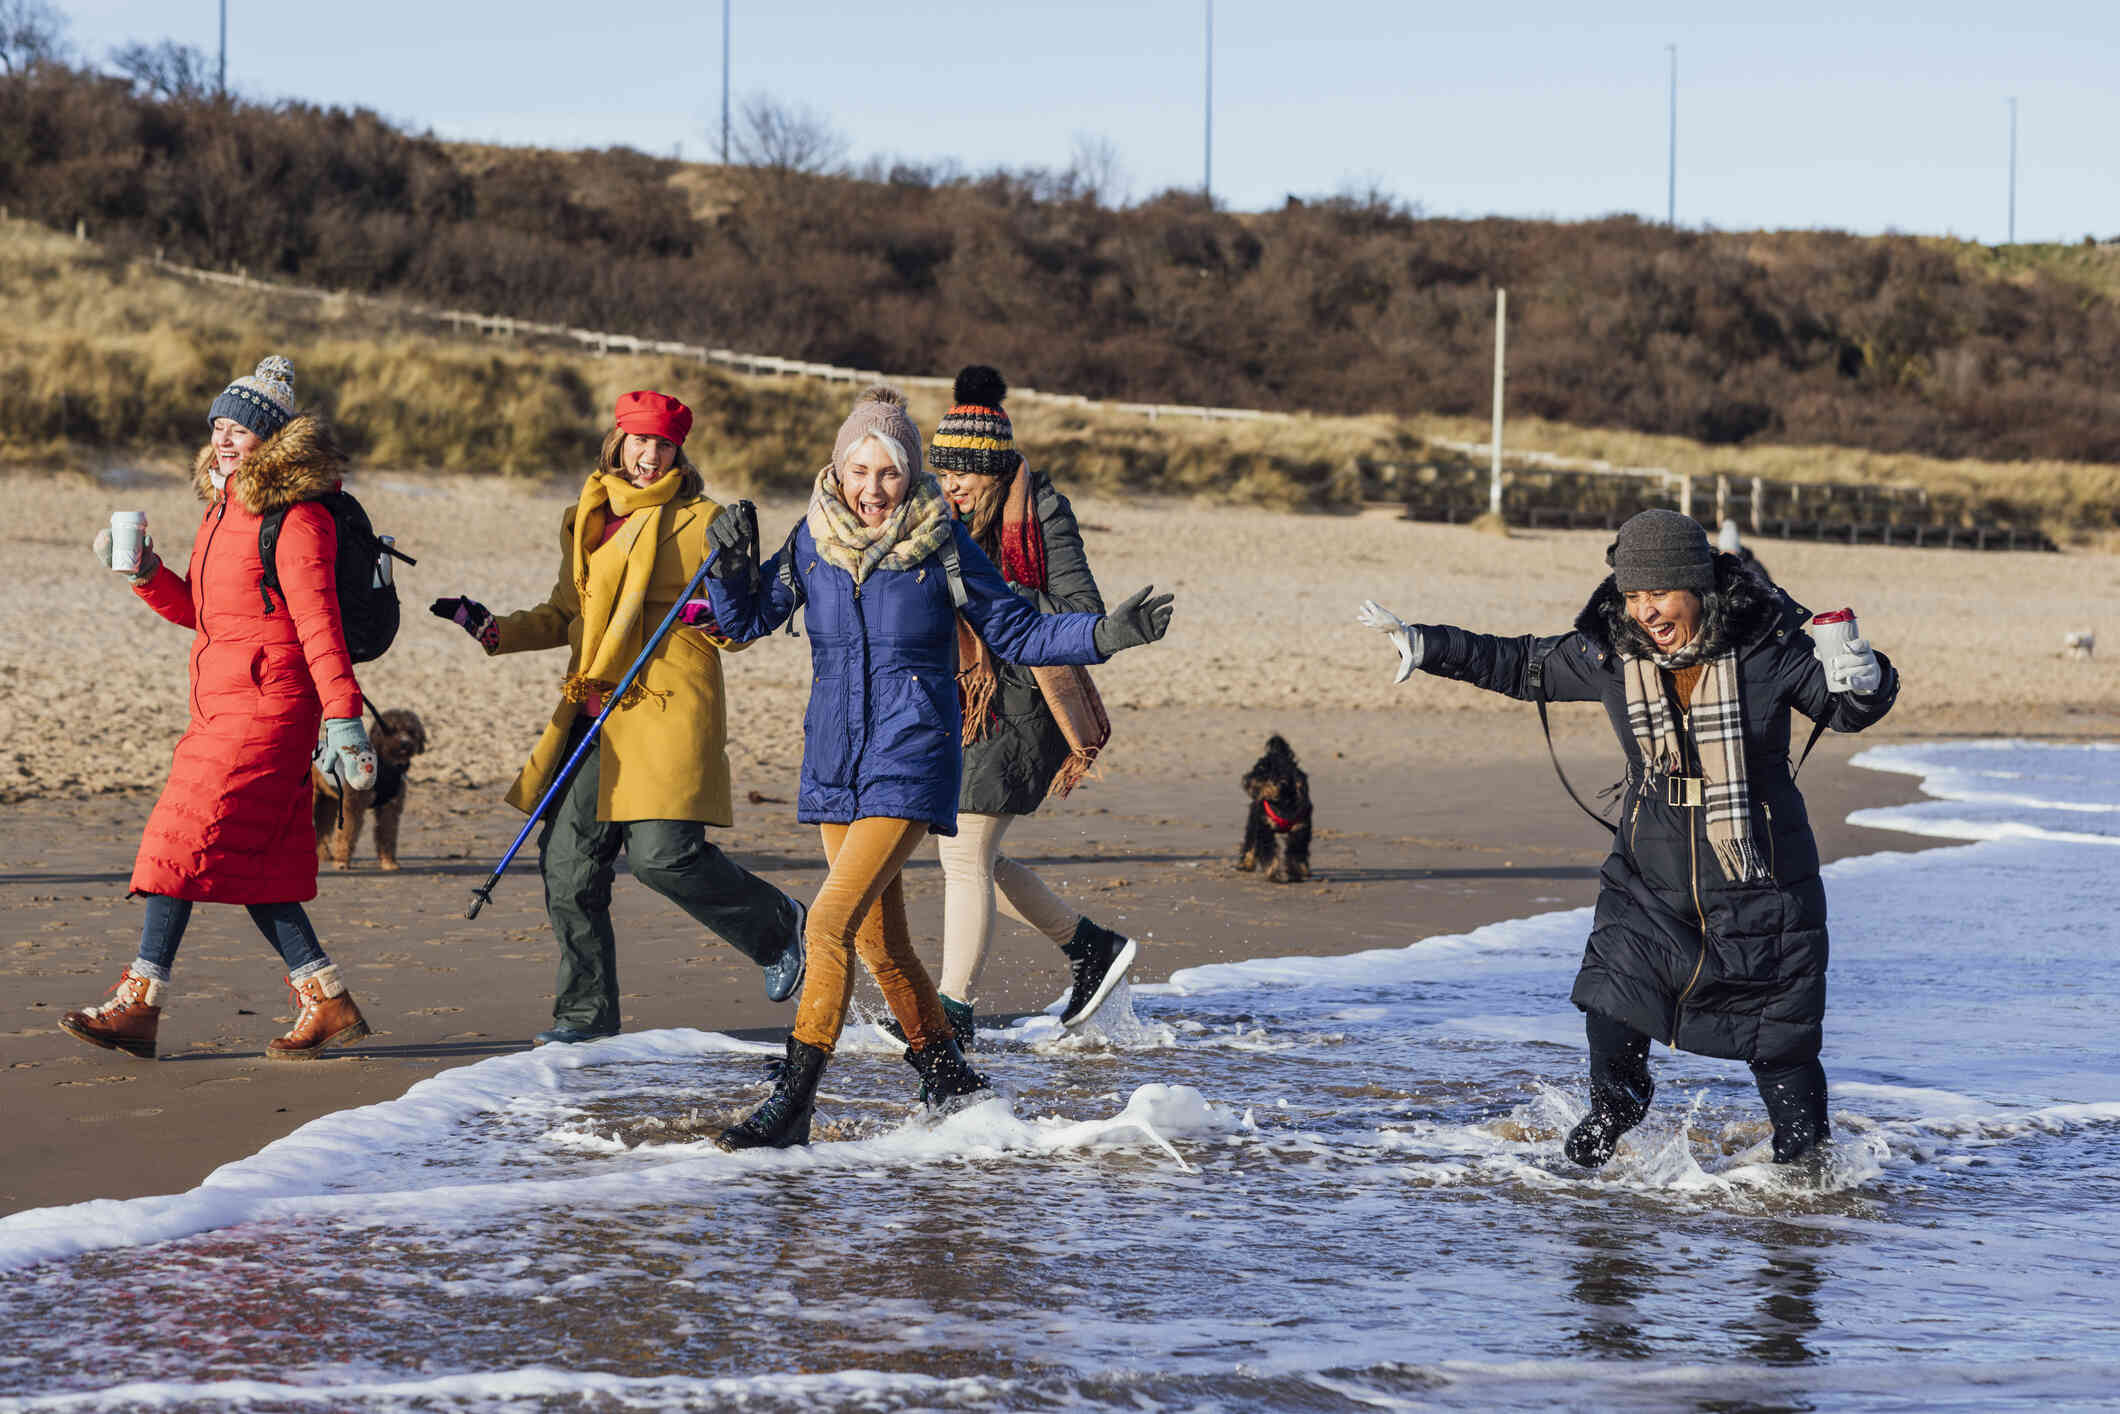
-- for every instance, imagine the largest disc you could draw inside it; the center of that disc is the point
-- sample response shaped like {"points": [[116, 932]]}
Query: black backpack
{"points": [[368, 605]]}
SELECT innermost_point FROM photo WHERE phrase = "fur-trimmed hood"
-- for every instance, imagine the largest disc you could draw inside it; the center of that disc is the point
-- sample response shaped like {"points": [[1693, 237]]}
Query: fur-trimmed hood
{"points": [[1742, 609], [300, 462]]}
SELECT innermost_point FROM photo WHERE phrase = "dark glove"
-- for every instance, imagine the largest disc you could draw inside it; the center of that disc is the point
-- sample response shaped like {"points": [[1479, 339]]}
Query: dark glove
{"points": [[467, 614], [732, 540], [1137, 621]]}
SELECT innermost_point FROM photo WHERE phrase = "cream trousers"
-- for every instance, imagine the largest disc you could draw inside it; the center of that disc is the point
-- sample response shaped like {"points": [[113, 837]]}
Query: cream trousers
{"points": [[972, 866]]}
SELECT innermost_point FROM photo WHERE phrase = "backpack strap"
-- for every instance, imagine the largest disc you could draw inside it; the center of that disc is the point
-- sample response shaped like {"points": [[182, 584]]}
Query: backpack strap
{"points": [[1537, 678], [1818, 729], [790, 581], [268, 550], [955, 570]]}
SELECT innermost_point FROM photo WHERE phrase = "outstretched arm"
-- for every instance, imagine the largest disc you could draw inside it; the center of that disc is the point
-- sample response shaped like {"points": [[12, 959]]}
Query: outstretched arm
{"points": [[545, 626], [1569, 668], [1851, 692], [1010, 625]]}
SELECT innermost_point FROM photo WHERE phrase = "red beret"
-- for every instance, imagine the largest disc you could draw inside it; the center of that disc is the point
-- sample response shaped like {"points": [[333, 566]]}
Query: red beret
{"points": [[654, 415]]}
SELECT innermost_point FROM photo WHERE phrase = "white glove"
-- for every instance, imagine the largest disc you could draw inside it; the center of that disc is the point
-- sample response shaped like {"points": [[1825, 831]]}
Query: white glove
{"points": [[1404, 635], [1854, 669], [347, 752]]}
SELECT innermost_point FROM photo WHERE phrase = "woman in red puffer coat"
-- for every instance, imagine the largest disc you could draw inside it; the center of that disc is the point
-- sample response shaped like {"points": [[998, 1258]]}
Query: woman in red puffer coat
{"points": [[233, 824]]}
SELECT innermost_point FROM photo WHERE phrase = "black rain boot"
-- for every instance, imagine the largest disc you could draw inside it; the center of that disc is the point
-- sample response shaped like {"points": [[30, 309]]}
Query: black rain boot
{"points": [[1099, 958], [1795, 1097], [1620, 1090], [783, 1120], [946, 1079]]}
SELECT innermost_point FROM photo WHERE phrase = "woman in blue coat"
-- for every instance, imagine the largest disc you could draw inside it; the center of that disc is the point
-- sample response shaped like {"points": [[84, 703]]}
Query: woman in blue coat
{"points": [[882, 565]]}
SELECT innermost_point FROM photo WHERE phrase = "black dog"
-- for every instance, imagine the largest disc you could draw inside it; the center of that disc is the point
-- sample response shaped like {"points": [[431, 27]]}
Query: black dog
{"points": [[1277, 831]]}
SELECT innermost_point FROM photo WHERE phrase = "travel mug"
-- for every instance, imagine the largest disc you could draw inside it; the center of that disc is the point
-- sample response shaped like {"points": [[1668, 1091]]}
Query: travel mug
{"points": [[1830, 633], [128, 540]]}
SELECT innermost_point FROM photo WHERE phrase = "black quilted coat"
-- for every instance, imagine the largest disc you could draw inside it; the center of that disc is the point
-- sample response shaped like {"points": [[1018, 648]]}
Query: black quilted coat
{"points": [[1007, 770], [1676, 951]]}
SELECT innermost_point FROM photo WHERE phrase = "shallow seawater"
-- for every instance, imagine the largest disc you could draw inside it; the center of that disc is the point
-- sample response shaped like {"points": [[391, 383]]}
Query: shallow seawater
{"points": [[1295, 1184]]}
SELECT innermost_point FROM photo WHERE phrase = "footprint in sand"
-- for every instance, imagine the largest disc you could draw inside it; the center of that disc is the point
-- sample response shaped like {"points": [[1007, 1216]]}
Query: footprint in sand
{"points": [[100, 1080], [142, 1113]]}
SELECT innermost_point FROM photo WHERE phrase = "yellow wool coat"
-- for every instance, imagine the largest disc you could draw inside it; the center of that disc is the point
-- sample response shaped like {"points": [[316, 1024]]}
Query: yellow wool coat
{"points": [[666, 756]]}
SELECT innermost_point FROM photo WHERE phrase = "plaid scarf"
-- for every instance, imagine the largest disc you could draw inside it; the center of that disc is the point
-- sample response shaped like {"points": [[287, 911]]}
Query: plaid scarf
{"points": [[1717, 722], [911, 533]]}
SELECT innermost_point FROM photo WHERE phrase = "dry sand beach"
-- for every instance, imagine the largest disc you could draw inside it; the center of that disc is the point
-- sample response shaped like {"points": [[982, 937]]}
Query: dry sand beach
{"points": [[1437, 810]]}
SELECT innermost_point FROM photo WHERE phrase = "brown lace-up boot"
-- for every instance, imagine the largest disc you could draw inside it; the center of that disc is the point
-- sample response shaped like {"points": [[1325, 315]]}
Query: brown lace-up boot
{"points": [[127, 1022], [328, 1018]]}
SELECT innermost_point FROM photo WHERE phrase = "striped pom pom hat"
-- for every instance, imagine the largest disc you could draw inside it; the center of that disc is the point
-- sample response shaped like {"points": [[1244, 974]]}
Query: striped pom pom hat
{"points": [[975, 435], [263, 401]]}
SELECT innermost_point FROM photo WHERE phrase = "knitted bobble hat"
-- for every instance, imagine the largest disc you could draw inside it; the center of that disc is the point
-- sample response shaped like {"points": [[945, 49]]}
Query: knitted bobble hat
{"points": [[975, 435], [879, 410], [263, 402]]}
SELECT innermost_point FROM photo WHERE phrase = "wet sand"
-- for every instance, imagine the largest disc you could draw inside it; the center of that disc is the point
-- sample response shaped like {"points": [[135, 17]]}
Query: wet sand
{"points": [[1437, 809]]}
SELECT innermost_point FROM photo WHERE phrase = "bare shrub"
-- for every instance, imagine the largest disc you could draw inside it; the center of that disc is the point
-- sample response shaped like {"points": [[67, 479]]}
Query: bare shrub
{"points": [[166, 70], [32, 32], [787, 138]]}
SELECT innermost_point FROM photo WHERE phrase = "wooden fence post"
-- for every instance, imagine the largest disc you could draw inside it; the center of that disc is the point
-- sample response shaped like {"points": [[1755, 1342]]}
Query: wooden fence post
{"points": [[1759, 504]]}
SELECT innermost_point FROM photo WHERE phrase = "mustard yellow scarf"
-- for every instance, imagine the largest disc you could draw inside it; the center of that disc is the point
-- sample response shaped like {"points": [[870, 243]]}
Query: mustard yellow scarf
{"points": [[614, 588]]}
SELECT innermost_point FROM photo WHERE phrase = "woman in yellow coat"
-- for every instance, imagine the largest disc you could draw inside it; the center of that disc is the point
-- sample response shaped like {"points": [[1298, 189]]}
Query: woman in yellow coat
{"points": [[660, 773]]}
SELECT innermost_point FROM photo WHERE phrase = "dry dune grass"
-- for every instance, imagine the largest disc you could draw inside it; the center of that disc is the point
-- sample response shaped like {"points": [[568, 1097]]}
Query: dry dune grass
{"points": [[110, 356]]}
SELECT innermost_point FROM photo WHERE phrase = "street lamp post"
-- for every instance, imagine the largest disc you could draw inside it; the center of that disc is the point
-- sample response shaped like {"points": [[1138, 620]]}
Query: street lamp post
{"points": [[724, 83], [1207, 170], [1671, 178], [2013, 171]]}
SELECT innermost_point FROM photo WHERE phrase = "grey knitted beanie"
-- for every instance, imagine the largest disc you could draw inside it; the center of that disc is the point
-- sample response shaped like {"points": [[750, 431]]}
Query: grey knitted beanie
{"points": [[1662, 550]]}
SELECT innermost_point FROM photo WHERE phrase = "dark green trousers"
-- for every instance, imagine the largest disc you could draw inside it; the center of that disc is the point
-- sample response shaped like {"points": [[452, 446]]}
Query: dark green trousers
{"points": [[578, 855]]}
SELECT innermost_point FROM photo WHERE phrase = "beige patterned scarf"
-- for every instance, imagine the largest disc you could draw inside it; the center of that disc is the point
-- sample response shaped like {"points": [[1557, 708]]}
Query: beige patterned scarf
{"points": [[911, 533]]}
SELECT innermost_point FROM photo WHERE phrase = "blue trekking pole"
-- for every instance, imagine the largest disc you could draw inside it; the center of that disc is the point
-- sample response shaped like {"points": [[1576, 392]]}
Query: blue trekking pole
{"points": [[483, 895]]}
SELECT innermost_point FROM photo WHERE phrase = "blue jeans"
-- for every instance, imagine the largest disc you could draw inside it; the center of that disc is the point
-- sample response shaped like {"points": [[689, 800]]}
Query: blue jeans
{"points": [[285, 926]]}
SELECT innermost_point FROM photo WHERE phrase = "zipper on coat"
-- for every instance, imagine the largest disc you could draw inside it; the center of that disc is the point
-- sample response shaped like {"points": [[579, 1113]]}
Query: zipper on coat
{"points": [[199, 602], [1772, 872], [1693, 827]]}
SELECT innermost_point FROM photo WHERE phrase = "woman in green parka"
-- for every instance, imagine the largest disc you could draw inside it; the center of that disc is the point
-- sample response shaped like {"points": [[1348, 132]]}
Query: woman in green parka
{"points": [[1028, 732]]}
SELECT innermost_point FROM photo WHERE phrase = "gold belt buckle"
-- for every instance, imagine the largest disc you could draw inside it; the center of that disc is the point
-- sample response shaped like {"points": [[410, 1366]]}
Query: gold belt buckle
{"points": [[1690, 792]]}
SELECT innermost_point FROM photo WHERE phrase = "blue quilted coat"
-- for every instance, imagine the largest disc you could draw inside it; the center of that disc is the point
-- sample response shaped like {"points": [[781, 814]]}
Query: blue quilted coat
{"points": [[884, 730]]}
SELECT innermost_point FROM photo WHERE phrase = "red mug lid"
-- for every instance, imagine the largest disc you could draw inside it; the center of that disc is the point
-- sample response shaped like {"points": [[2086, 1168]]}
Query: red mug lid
{"points": [[1838, 616]]}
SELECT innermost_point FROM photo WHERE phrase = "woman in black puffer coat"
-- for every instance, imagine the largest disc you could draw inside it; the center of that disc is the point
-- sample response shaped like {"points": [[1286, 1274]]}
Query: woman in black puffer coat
{"points": [[1028, 732], [1710, 929]]}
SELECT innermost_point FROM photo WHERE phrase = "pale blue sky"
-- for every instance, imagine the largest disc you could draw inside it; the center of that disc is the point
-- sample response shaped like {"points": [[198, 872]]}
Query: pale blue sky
{"points": [[1856, 116]]}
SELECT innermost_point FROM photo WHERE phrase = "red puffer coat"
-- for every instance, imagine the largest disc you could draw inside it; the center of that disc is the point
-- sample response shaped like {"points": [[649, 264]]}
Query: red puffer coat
{"points": [[233, 824]]}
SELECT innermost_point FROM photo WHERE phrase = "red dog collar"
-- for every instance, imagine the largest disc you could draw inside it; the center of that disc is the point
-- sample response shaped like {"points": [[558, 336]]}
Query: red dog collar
{"points": [[1282, 823]]}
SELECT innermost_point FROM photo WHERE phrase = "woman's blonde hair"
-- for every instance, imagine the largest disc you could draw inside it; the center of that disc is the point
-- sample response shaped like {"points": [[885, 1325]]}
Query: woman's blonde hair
{"points": [[612, 459]]}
